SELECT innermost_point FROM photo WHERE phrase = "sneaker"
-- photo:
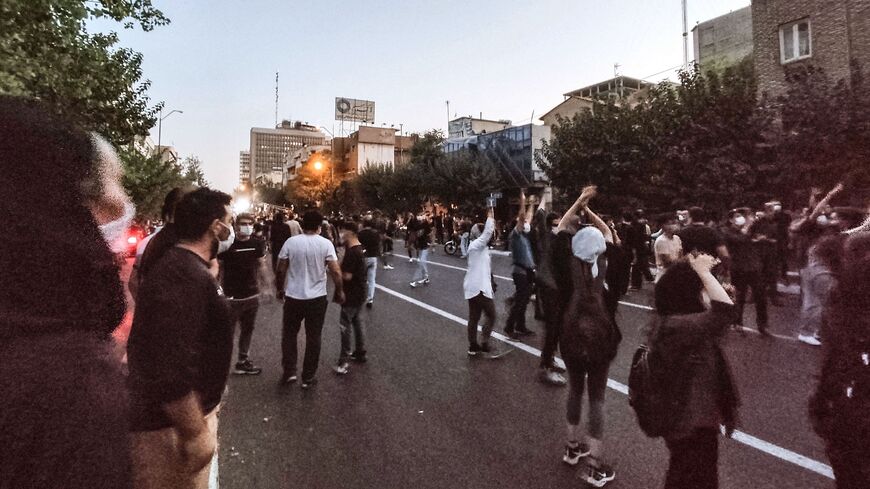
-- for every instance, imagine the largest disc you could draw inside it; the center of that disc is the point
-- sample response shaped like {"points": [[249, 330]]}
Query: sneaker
{"points": [[525, 332], [413, 285], [810, 340], [289, 379], [574, 454], [426, 281], [512, 334], [410, 260], [341, 369], [359, 357], [390, 267], [369, 304], [550, 376], [473, 350], [598, 476], [557, 369], [493, 353], [307, 384], [246, 368]]}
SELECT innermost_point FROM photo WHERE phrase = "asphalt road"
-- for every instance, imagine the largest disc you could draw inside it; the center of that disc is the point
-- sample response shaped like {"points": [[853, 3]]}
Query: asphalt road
{"points": [[422, 414]]}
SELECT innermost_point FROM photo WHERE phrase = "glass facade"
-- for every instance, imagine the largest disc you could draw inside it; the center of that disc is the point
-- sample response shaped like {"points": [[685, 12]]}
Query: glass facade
{"points": [[512, 150]]}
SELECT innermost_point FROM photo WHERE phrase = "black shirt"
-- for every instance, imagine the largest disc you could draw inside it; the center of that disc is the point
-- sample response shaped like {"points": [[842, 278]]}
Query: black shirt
{"points": [[423, 231], [181, 339], [371, 241], [241, 266], [745, 253], [561, 262], [701, 238], [354, 263]]}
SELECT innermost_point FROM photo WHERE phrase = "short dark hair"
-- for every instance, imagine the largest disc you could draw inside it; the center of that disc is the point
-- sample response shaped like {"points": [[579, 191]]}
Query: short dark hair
{"points": [[349, 226], [172, 199], [552, 216], [697, 214], [368, 222], [311, 220], [245, 215], [197, 210], [678, 291]]}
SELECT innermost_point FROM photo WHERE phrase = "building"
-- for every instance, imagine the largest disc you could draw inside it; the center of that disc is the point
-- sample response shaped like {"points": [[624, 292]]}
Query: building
{"points": [[512, 149], [270, 148], [244, 167], [620, 88], [371, 145], [723, 41], [464, 127], [298, 158], [790, 34], [144, 145], [166, 154]]}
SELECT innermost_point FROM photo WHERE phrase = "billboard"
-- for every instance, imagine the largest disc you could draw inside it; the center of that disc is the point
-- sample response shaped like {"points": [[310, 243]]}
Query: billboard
{"points": [[351, 109]]}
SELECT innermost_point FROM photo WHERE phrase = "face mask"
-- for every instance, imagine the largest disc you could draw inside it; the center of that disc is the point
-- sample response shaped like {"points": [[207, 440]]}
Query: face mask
{"points": [[740, 221], [115, 232], [822, 220], [224, 245], [246, 230], [777, 208], [555, 229], [527, 227]]}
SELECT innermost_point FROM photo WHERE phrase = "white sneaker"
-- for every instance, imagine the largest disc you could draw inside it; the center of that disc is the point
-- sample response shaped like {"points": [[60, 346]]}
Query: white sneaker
{"points": [[342, 368], [810, 340], [413, 285]]}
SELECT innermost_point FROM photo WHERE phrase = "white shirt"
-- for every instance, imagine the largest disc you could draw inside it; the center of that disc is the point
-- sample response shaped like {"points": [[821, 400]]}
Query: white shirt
{"points": [[140, 248], [306, 274], [664, 246], [478, 278]]}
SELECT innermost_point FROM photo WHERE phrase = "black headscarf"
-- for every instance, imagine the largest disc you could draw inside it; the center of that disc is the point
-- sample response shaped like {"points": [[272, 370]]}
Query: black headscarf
{"points": [[56, 271]]}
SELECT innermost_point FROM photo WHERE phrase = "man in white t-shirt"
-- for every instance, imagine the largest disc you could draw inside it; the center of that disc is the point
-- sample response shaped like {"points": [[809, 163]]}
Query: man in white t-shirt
{"points": [[668, 246], [303, 263]]}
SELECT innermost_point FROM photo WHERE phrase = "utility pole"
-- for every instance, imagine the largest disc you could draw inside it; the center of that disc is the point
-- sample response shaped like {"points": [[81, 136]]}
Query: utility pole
{"points": [[448, 113], [685, 37], [276, 99]]}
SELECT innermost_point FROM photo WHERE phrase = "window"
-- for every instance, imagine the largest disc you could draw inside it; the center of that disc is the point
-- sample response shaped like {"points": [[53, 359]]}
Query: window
{"points": [[795, 41]]}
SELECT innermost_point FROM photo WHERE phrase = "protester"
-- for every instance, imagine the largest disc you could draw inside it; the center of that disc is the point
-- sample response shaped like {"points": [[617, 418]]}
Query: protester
{"points": [[411, 225], [478, 288], [63, 405], [179, 350], [240, 272], [545, 227], [303, 263], [589, 337], [354, 268], [685, 337], [371, 242], [387, 229], [279, 232], [422, 245], [841, 402], [523, 271], [767, 228], [638, 240], [746, 252], [668, 246]]}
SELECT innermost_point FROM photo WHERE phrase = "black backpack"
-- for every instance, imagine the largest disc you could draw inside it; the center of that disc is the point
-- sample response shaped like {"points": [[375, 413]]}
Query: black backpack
{"points": [[646, 397]]}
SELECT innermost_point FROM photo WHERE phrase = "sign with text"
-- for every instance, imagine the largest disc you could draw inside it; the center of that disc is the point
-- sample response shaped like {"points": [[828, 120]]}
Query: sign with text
{"points": [[351, 109]]}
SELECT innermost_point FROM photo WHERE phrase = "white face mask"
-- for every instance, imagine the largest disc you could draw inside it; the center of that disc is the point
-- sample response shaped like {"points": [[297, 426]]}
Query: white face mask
{"points": [[740, 221], [246, 230], [224, 245], [115, 232], [527, 227], [822, 220], [777, 208]]}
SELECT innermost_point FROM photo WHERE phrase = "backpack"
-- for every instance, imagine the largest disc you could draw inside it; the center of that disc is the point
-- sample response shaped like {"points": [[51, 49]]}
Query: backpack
{"points": [[646, 397]]}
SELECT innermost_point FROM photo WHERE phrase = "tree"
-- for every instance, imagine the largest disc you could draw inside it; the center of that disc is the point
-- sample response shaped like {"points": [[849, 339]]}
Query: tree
{"points": [[427, 150], [391, 190], [463, 179], [270, 195], [193, 171], [148, 179], [47, 53]]}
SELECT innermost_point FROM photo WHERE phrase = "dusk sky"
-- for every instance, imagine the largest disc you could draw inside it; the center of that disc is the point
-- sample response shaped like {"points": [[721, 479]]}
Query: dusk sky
{"points": [[217, 60]]}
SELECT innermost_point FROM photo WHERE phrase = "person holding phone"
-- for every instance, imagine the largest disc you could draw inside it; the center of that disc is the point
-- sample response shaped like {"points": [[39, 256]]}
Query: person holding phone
{"points": [[478, 288]]}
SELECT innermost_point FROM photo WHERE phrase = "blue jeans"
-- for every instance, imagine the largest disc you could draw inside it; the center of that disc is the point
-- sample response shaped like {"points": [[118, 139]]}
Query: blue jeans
{"points": [[348, 320], [422, 266], [371, 274]]}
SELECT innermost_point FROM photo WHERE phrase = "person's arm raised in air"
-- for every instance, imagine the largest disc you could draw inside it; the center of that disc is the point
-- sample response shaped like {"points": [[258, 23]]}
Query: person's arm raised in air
{"points": [[521, 213], [599, 224], [482, 241], [587, 195]]}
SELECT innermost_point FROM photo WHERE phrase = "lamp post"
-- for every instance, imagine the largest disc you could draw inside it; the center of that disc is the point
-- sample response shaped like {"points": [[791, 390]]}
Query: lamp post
{"points": [[160, 126]]}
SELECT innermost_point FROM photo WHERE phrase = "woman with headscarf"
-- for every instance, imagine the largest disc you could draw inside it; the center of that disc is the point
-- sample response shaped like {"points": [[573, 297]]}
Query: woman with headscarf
{"points": [[63, 409], [478, 289]]}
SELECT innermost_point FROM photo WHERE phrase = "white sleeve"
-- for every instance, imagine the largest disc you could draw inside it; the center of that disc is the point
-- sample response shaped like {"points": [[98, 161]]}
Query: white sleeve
{"points": [[284, 254], [330, 253], [483, 240]]}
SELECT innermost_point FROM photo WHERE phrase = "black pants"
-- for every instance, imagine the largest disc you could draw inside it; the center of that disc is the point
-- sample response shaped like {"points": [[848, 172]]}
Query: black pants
{"points": [[694, 462], [313, 312], [640, 269], [549, 300], [245, 314], [517, 319], [478, 306], [593, 378], [754, 280]]}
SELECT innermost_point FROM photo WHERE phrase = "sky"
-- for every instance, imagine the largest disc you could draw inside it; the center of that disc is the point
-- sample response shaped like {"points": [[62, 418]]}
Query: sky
{"points": [[507, 59]]}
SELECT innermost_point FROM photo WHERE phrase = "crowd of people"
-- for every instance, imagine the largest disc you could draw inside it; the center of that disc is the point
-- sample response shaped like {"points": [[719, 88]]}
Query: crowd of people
{"points": [[73, 415]]}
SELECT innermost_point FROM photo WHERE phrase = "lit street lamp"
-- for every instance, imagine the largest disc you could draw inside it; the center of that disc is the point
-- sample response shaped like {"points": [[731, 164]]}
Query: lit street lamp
{"points": [[160, 126]]}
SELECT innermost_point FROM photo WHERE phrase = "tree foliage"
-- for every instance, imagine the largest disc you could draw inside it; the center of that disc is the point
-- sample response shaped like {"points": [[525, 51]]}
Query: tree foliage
{"points": [[148, 179], [47, 53], [710, 141], [193, 172]]}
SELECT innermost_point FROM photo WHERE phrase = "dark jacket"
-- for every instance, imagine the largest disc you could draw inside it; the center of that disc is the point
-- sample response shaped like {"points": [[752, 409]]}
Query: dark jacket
{"points": [[589, 335], [687, 349]]}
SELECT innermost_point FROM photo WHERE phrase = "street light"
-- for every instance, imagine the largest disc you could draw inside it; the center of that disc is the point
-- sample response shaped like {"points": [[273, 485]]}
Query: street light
{"points": [[160, 126], [318, 165]]}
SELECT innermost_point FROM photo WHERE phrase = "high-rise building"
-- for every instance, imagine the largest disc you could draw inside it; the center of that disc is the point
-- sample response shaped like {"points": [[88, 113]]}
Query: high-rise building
{"points": [[723, 41], [271, 147], [244, 167]]}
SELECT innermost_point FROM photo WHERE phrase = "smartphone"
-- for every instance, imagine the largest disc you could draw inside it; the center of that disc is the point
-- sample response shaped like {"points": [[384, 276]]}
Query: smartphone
{"points": [[490, 201]]}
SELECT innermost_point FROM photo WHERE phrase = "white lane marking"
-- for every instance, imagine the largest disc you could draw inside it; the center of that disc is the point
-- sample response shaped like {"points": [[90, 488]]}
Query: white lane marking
{"points": [[624, 303], [213, 482], [739, 436]]}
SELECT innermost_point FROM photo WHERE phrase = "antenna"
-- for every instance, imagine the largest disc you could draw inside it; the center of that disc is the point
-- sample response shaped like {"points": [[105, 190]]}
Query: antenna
{"points": [[276, 99], [448, 110], [616, 69], [685, 38]]}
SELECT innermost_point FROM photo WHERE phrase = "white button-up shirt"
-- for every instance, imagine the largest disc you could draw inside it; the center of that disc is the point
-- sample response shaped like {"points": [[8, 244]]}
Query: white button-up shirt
{"points": [[478, 278]]}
